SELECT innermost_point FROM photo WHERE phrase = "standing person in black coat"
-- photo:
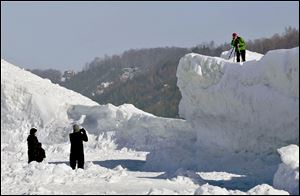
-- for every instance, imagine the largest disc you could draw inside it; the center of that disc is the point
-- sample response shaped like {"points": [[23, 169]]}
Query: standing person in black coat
{"points": [[32, 143], [77, 153]]}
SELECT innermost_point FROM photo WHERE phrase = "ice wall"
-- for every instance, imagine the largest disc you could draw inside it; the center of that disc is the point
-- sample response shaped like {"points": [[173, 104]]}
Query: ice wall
{"points": [[239, 113], [247, 107]]}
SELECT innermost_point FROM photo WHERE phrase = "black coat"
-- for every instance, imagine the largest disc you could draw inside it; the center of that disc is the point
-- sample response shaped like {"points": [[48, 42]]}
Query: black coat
{"points": [[32, 142], [76, 142]]}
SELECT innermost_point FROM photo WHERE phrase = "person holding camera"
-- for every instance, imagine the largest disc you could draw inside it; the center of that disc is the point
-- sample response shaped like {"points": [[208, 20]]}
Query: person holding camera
{"points": [[77, 154], [240, 47]]}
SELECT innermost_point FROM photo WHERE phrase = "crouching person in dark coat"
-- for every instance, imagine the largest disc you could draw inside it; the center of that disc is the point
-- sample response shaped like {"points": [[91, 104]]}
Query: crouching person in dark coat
{"points": [[77, 154], [32, 143]]}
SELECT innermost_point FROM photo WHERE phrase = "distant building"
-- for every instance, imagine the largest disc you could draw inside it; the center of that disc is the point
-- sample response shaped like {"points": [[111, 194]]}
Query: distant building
{"points": [[69, 74]]}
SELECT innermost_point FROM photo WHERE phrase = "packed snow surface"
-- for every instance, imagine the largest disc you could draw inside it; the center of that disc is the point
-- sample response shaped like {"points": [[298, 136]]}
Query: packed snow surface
{"points": [[250, 56]]}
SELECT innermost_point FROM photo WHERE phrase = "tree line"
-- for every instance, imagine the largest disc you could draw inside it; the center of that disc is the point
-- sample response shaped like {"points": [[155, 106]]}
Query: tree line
{"points": [[288, 39]]}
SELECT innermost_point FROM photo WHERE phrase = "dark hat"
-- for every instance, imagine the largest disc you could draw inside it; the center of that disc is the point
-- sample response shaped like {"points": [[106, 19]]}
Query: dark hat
{"points": [[33, 130]]}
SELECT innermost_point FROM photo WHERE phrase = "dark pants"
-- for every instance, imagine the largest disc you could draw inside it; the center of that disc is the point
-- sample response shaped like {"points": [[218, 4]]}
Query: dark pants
{"points": [[74, 159], [240, 53], [30, 156]]}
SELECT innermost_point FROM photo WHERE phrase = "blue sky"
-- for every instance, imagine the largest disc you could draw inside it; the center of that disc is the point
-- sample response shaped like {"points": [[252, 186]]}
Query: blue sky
{"points": [[67, 35]]}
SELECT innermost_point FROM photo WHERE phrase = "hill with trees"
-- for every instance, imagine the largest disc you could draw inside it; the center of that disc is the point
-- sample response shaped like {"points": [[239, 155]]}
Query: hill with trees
{"points": [[146, 78]]}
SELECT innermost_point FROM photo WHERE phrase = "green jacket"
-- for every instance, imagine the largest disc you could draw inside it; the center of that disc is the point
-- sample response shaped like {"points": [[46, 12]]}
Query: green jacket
{"points": [[239, 43]]}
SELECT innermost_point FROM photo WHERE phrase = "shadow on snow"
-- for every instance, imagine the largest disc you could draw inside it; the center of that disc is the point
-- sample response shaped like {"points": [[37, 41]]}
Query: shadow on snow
{"points": [[235, 183]]}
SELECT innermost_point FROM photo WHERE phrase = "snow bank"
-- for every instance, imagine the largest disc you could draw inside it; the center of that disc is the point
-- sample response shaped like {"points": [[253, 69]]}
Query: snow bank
{"points": [[263, 189], [131, 127], [250, 56], [240, 114], [287, 175], [29, 101], [234, 107], [39, 178]]}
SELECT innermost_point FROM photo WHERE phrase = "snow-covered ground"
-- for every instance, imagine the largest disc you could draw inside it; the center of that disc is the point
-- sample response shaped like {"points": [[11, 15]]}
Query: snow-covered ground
{"points": [[237, 115]]}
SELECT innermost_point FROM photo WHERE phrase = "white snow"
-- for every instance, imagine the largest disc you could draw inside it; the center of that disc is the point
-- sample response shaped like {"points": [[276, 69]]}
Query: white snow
{"points": [[287, 175], [100, 88], [250, 56], [233, 107], [236, 117], [128, 73], [238, 105], [30, 101], [220, 176], [263, 189], [106, 84], [240, 114]]}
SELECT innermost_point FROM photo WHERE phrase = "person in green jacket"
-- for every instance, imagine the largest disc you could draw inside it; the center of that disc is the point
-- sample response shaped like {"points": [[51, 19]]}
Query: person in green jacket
{"points": [[240, 47]]}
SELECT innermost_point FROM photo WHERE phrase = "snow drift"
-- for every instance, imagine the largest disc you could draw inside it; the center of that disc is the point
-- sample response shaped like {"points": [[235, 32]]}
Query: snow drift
{"points": [[287, 175], [263, 189], [240, 114], [30, 101], [242, 107]]}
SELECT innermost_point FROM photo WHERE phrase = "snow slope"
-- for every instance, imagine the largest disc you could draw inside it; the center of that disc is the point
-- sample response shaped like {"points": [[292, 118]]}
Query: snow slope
{"points": [[30, 101]]}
